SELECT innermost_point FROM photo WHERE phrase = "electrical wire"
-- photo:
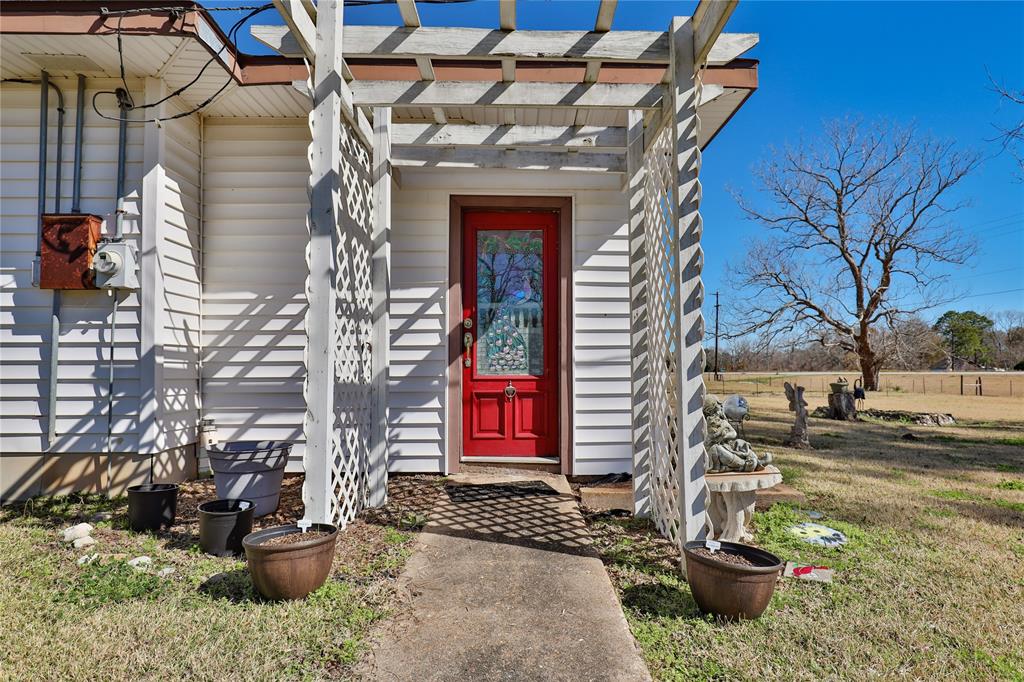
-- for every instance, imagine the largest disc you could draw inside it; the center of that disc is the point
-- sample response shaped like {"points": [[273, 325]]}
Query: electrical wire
{"points": [[129, 104]]}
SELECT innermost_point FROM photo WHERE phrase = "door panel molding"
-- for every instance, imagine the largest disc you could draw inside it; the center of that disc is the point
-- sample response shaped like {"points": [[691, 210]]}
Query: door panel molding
{"points": [[458, 205]]}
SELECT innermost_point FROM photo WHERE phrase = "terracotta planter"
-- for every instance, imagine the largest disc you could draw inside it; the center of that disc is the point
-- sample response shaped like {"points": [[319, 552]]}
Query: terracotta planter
{"points": [[730, 590], [289, 571]]}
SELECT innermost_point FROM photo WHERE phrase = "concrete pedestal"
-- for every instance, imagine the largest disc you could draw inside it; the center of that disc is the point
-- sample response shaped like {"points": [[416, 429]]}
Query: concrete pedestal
{"points": [[732, 501]]}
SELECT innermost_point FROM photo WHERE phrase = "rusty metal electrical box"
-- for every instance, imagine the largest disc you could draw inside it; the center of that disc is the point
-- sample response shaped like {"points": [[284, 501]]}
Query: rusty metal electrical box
{"points": [[67, 249]]}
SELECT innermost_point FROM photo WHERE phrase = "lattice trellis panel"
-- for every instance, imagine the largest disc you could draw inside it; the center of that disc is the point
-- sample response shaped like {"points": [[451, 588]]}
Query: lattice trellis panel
{"points": [[667, 326], [353, 376], [337, 472], [663, 332]]}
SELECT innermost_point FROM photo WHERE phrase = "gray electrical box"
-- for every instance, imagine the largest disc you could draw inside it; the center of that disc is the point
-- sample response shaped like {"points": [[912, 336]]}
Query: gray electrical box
{"points": [[116, 265]]}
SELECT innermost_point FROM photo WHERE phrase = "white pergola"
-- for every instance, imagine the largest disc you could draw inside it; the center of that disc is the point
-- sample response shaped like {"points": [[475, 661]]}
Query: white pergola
{"points": [[352, 161]]}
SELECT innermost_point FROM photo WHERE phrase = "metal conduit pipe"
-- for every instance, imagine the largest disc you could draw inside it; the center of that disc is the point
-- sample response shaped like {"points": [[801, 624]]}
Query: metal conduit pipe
{"points": [[124, 104], [51, 433], [76, 191]]}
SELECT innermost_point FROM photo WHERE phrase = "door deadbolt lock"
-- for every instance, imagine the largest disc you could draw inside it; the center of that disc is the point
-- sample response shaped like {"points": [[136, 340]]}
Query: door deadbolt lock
{"points": [[468, 323]]}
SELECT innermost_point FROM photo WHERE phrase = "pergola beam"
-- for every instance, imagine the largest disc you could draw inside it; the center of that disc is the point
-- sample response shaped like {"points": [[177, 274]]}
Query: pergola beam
{"points": [[462, 157], [410, 17], [595, 138], [709, 20], [517, 94], [507, 11], [301, 19], [605, 15], [480, 43]]}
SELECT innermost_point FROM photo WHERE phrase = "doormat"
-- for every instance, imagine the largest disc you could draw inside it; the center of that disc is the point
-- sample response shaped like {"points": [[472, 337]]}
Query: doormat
{"points": [[474, 492], [817, 534]]}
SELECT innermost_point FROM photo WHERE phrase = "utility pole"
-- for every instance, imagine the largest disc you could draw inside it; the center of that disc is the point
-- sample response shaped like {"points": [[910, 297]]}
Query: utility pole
{"points": [[717, 373]]}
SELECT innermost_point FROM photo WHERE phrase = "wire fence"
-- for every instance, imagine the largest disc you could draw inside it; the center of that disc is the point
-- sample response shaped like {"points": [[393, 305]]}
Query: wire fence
{"points": [[983, 384]]}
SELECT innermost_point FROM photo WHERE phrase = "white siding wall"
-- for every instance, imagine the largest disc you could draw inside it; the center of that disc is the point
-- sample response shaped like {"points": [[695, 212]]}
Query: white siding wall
{"points": [[254, 272], [419, 279], [85, 317], [179, 267]]}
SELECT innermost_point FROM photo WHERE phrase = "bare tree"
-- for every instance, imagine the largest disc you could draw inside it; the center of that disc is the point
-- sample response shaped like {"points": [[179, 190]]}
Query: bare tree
{"points": [[1011, 136], [856, 223]]}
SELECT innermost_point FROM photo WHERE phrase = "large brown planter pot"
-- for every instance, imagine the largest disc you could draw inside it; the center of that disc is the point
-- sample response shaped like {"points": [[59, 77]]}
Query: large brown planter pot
{"points": [[289, 571], [729, 590]]}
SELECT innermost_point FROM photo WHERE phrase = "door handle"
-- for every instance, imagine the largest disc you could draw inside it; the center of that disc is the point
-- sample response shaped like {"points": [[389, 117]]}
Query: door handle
{"points": [[467, 344]]}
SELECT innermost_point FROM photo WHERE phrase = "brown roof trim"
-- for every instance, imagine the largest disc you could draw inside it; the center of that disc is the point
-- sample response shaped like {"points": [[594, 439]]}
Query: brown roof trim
{"points": [[49, 17]]}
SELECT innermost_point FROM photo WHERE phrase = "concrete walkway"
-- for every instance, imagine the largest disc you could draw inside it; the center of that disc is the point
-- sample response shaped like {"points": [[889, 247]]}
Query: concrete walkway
{"points": [[503, 585]]}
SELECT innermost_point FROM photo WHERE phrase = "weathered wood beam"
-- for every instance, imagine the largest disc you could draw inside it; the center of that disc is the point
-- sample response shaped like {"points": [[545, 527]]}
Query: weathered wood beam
{"points": [[640, 359], [410, 17], [324, 218], [709, 21], [481, 43], [507, 10], [478, 93], [596, 138], [605, 14], [693, 496], [377, 471], [437, 157], [300, 26]]}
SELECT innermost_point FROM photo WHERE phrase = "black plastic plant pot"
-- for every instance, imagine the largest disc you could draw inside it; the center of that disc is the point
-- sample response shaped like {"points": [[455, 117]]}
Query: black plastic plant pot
{"points": [[223, 524], [151, 506]]}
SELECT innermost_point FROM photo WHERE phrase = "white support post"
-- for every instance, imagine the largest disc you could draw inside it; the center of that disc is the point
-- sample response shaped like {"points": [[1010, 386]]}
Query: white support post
{"points": [[151, 294], [378, 460], [321, 317], [640, 358], [684, 93]]}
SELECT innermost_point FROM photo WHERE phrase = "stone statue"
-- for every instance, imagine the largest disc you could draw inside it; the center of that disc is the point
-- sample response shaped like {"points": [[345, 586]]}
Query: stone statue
{"points": [[726, 452], [797, 404]]}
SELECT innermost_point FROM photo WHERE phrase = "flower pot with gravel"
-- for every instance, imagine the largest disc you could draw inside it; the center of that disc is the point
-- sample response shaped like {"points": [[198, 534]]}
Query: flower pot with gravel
{"points": [[735, 581], [287, 563]]}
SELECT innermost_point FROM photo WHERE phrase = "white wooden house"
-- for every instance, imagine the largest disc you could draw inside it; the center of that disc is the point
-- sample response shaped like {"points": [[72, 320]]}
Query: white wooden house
{"points": [[442, 247]]}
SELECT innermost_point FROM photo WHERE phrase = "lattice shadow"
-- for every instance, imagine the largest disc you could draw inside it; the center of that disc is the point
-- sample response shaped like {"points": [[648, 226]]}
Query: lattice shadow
{"points": [[524, 514]]}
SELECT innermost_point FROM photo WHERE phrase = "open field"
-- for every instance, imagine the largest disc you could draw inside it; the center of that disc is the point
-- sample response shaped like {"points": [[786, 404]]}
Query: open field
{"points": [[928, 587], [919, 392], [993, 384]]}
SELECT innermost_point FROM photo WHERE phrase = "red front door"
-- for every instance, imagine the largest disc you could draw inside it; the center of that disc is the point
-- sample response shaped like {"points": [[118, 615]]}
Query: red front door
{"points": [[510, 334]]}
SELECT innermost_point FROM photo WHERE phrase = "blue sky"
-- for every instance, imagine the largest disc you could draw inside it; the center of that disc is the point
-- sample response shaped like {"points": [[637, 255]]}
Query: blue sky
{"points": [[909, 62]]}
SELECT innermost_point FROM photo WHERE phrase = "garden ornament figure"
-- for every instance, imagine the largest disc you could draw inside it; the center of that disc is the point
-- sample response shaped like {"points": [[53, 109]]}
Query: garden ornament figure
{"points": [[798, 434], [726, 452]]}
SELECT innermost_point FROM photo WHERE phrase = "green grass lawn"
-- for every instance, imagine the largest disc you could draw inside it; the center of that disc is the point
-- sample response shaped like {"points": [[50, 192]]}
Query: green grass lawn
{"points": [[108, 621], [929, 586]]}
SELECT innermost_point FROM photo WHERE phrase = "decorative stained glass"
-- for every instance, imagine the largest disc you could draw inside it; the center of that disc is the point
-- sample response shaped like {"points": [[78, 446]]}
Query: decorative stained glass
{"points": [[510, 304]]}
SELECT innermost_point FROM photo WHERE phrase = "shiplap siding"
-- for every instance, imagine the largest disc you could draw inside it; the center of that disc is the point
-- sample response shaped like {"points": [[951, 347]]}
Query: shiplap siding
{"points": [[86, 315], [419, 276], [179, 262], [254, 270]]}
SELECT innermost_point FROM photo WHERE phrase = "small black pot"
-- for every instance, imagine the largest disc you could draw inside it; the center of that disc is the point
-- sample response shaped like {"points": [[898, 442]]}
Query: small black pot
{"points": [[152, 505], [223, 524]]}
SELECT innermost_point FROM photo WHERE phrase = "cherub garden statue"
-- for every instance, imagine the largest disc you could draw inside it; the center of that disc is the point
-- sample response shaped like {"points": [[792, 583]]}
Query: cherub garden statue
{"points": [[726, 452], [798, 434]]}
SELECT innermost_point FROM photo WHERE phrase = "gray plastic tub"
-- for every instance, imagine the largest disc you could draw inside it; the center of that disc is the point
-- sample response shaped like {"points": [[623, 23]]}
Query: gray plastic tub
{"points": [[250, 470]]}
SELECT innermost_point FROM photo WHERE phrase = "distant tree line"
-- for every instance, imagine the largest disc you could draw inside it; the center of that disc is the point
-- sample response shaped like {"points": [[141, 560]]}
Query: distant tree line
{"points": [[958, 340]]}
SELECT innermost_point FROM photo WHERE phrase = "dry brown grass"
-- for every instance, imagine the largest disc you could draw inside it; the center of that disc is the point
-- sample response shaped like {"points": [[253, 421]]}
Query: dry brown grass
{"points": [[929, 587]]}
